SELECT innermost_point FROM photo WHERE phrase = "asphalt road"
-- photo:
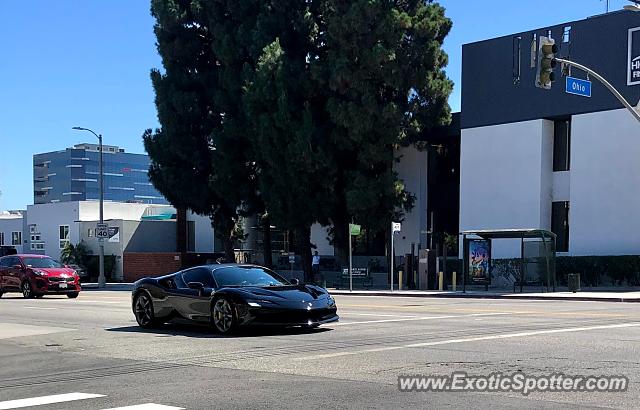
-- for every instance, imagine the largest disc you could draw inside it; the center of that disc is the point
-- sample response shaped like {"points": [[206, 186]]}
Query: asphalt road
{"points": [[91, 346]]}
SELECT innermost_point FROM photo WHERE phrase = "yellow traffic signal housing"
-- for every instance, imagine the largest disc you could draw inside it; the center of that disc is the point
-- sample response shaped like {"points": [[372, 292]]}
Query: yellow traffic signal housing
{"points": [[547, 49]]}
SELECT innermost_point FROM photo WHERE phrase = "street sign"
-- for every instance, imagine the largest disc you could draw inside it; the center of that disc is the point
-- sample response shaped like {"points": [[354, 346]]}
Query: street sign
{"points": [[579, 87], [102, 231], [354, 229], [114, 234], [396, 226]]}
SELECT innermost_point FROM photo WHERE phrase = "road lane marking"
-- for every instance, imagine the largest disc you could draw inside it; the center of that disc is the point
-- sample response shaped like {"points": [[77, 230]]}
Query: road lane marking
{"points": [[364, 322], [374, 314], [40, 308], [541, 313], [42, 400], [147, 406], [11, 330], [471, 339]]}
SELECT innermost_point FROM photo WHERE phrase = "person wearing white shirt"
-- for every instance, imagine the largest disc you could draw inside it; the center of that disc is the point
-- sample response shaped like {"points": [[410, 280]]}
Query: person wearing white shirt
{"points": [[315, 265]]}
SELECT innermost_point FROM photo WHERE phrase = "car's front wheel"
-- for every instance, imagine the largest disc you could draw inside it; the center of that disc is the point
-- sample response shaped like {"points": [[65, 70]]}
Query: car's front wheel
{"points": [[223, 316], [27, 290], [143, 311]]}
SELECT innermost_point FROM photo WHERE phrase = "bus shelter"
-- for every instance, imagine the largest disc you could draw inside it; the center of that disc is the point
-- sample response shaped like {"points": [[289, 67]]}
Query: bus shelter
{"points": [[537, 263]]}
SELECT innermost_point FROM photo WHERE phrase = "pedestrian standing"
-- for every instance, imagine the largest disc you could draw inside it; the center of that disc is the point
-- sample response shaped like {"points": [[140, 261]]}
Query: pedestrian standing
{"points": [[315, 266]]}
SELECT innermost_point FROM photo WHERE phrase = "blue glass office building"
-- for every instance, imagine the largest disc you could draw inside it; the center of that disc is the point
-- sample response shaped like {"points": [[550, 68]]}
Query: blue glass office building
{"points": [[73, 175]]}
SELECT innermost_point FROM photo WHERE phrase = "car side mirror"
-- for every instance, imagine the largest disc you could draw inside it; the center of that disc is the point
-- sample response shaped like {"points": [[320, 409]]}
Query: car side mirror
{"points": [[19, 267], [67, 266], [294, 281], [196, 285]]}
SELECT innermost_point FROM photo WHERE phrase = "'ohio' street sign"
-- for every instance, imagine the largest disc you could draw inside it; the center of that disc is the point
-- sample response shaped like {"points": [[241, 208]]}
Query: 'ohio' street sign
{"points": [[578, 87]]}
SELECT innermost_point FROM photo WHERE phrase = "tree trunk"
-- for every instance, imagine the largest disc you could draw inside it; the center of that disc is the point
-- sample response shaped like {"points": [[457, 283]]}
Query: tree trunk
{"points": [[341, 240], [266, 242], [303, 248], [224, 230]]}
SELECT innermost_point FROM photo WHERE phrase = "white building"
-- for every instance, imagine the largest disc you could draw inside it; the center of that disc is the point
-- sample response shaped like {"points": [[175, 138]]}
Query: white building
{"points": [[547, 159], [11, 229], [133, 228]]}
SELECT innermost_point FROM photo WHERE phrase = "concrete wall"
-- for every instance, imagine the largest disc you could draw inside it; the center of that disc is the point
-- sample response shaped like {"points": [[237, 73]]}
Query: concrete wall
{"points": [[506, 179], [605, 184], [90, 210], [204, 233], [9, 224], [47, 219], [319, 237], [412, 171], [135, 236]]}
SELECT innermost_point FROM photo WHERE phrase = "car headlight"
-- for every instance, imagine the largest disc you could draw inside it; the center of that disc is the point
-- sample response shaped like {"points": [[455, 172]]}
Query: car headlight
{"points": [[331, 301], [39, 272], [259, 303]]}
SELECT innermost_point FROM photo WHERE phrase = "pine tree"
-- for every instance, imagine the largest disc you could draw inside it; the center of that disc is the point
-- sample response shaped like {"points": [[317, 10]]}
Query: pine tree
{"points": [[383, 69]]}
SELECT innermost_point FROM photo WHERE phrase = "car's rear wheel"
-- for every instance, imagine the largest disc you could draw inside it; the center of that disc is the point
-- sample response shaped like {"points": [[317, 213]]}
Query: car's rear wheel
{"points": [[72, 295], [143, 311], [27, 290], [223, 316]]}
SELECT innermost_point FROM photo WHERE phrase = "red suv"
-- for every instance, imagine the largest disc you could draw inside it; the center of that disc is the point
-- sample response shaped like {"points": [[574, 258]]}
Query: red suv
{"points": [[37, 275]]}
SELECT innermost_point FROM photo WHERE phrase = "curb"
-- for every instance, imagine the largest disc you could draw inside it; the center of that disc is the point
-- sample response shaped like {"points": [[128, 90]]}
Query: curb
{"points": [[488, 296]]}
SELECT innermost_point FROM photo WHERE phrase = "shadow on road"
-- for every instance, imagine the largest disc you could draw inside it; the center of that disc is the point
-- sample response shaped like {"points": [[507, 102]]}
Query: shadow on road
{"points": [[202, 331]]}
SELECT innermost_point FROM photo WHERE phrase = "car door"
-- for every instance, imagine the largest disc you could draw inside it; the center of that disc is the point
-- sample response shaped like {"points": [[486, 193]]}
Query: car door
{"points": [[4, 265], [194, 304], [13, 274]]}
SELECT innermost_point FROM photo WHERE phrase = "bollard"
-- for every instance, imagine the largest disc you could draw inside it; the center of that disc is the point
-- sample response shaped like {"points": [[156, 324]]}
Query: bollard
{"points": [[440, 281], [399, 280], [453, 281]]}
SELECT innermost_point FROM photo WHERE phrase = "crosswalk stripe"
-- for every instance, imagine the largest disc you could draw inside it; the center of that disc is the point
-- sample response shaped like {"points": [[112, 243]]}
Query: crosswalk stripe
{"points": [[147, 406], [39, 401]]}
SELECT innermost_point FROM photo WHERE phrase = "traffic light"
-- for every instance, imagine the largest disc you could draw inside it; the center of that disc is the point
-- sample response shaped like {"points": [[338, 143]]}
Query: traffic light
{"points": [[547, 49]]}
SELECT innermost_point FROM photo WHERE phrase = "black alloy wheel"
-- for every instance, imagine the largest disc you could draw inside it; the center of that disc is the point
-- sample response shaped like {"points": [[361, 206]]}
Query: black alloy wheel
{"points": [[27, 290], [143, 310], [223, 316]]}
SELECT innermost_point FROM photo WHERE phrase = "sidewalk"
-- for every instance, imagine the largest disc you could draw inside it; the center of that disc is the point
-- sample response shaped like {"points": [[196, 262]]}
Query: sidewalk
{"points": [[595, 296], [115, 286]]}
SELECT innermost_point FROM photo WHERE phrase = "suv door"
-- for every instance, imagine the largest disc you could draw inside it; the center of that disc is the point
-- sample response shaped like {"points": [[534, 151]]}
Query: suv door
{"points": [[4, 265], [13, 275]]}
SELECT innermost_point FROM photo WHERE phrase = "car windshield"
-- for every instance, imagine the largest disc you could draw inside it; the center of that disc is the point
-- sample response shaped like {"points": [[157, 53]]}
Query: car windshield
{"points": [[41, 263], [247, 276]]}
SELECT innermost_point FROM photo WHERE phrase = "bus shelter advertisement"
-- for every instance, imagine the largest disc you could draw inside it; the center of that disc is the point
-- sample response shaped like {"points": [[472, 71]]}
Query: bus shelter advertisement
{"points": [[479, 261]]}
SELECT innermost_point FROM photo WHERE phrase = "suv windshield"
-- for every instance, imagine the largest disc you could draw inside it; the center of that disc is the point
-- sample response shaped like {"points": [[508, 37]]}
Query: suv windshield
{"points": [[247, 276], [41, 263]]}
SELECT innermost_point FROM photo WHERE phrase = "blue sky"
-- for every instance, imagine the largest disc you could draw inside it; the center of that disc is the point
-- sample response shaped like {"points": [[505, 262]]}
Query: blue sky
{"points": [[86, 63]]}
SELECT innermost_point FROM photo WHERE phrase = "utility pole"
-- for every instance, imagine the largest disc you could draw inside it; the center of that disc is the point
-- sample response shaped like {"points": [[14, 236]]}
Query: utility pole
{"points": [[101, 278]]}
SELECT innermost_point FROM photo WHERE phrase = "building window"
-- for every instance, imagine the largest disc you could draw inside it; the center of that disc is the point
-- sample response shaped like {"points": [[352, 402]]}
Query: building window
{"points": [[16, 238], [89, 233], [64, 235], [561, 145], [35, 237], [32, 228], [560, 224], [1, 238]]}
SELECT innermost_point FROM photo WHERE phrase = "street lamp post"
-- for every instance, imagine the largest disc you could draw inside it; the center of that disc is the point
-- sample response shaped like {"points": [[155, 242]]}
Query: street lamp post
{"points": [[101, 278]]}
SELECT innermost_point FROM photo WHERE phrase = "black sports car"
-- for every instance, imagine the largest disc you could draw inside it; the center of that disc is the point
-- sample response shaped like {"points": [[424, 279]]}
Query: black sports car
{"points": [[229, 296]]}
